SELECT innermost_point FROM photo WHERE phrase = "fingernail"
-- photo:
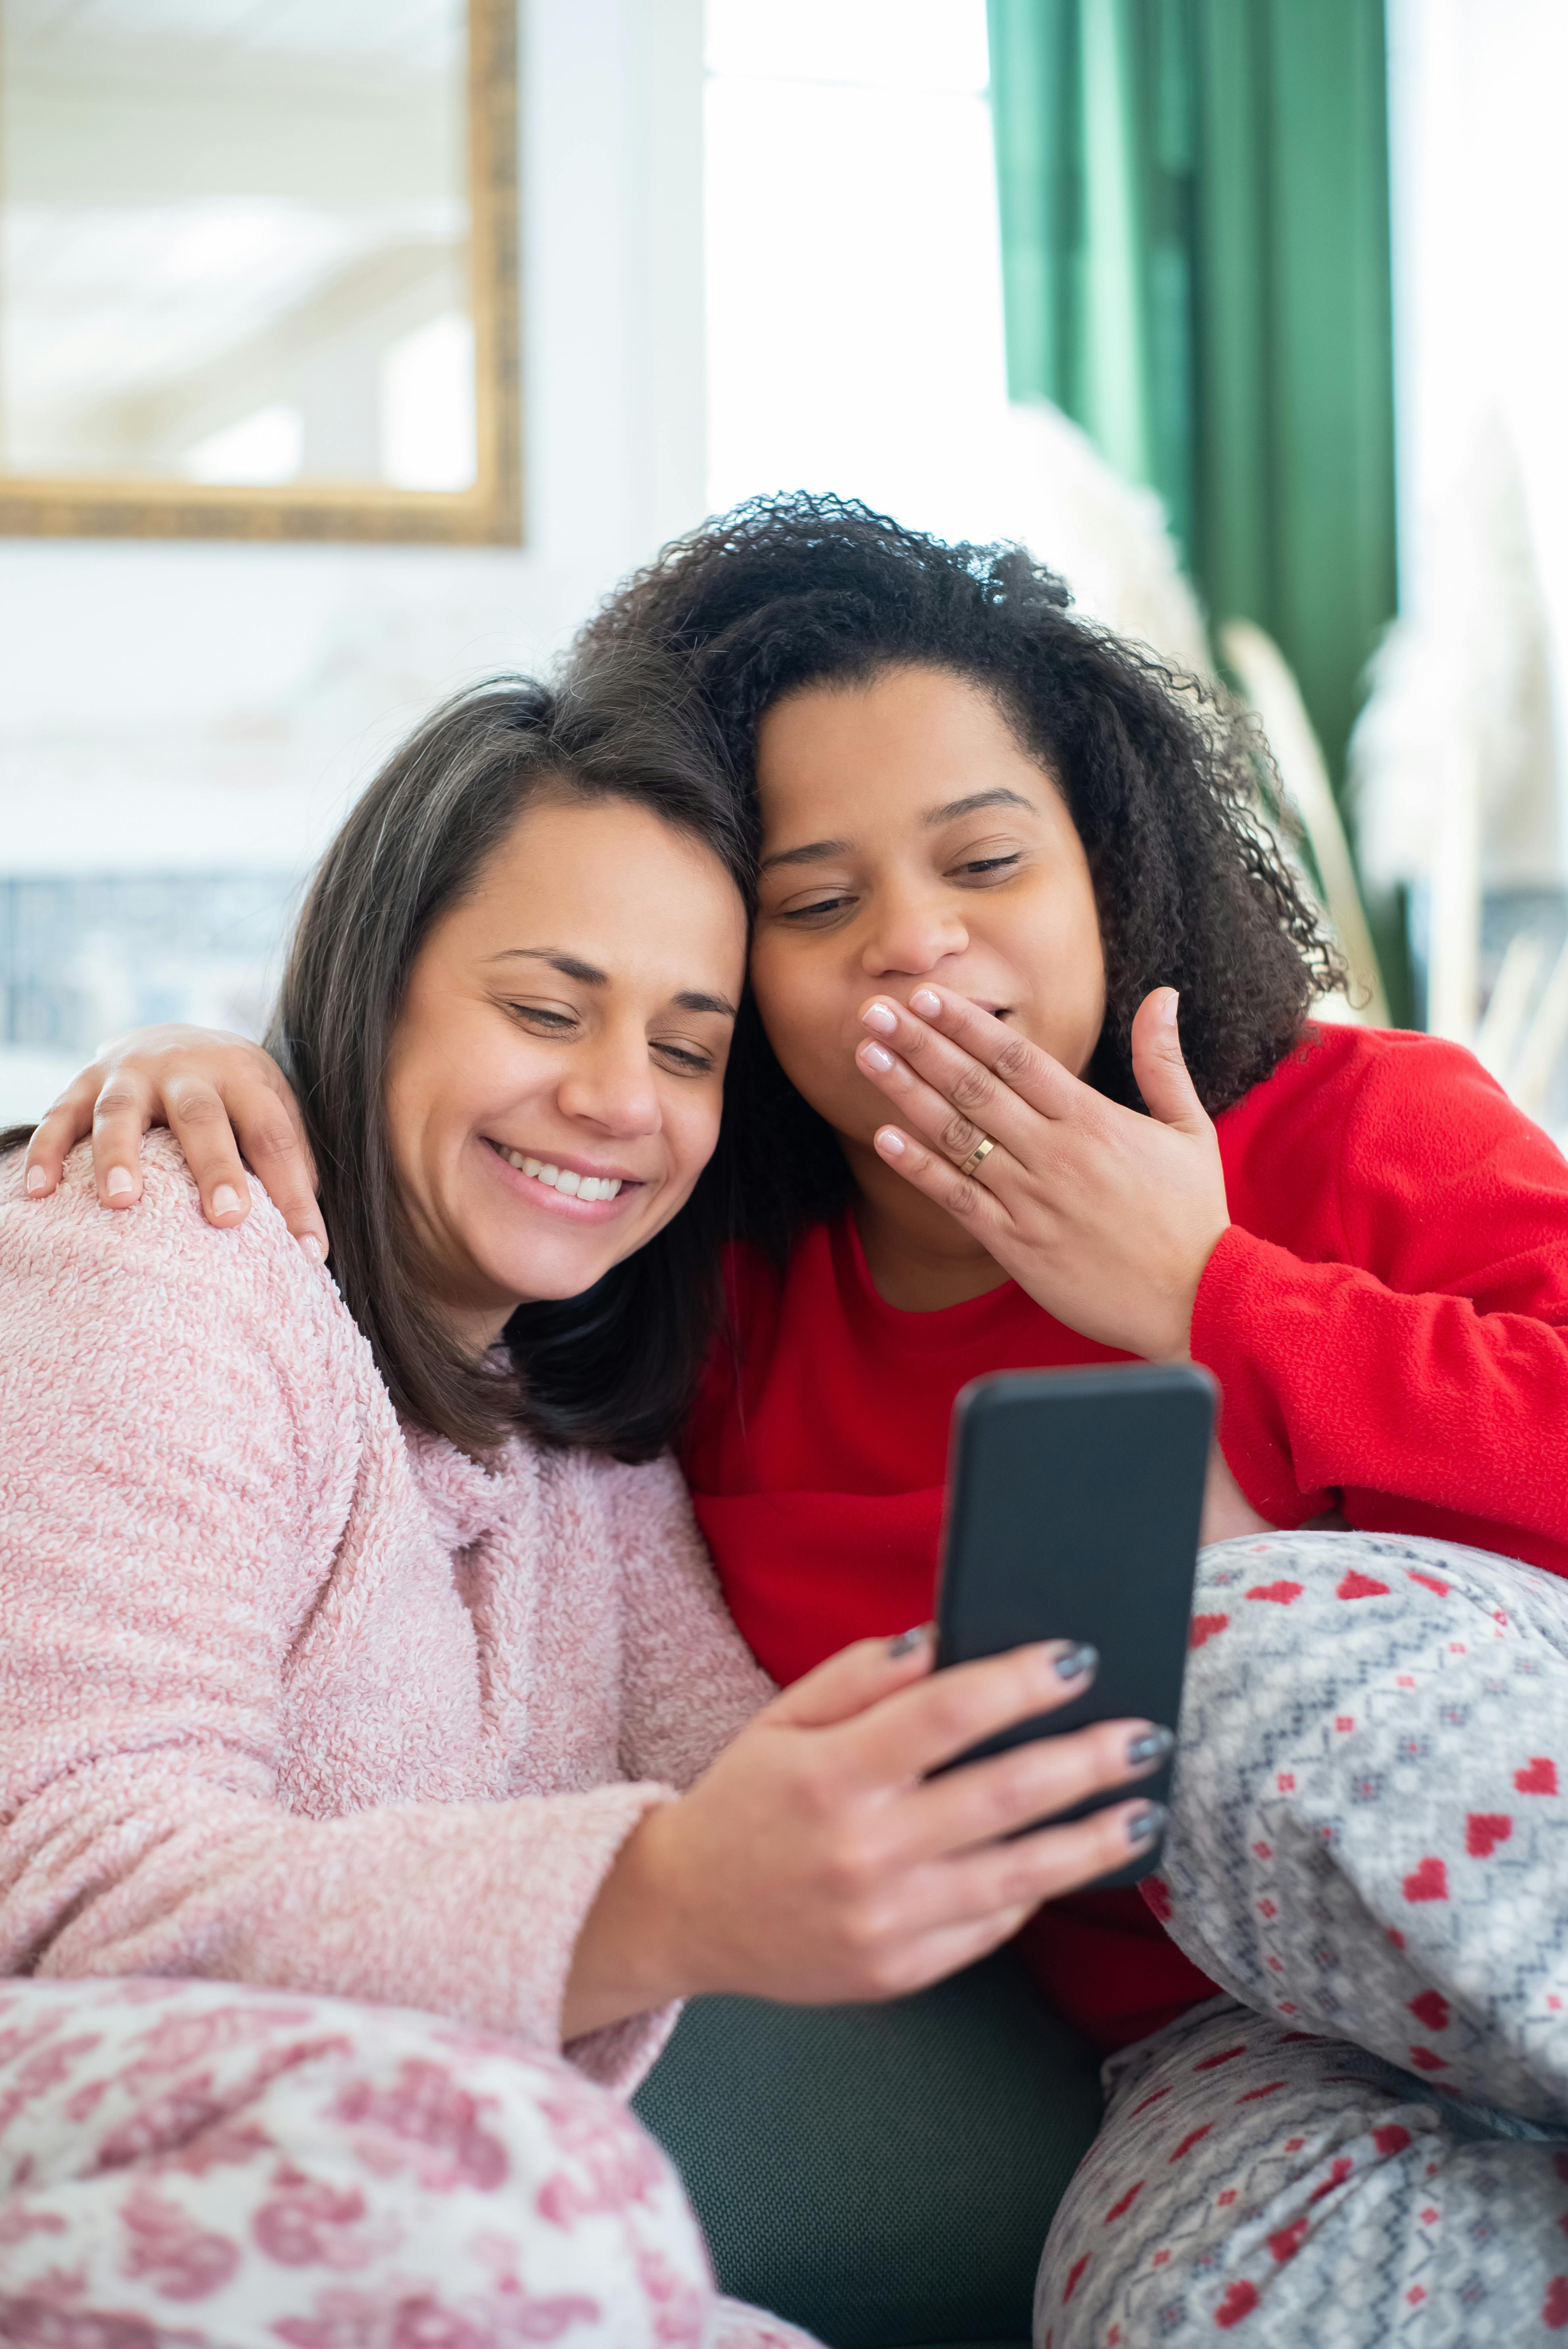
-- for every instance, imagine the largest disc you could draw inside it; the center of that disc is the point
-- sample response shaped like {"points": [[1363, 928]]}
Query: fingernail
{"points": [[1150, 1745], [877, 1016], [1076, 1662], [876, 1058], [907, 1641], [118, 1182], [926, 1003], [1169, 1003], [312, 1246], [1145, 1824], [36, 1179], [889, 1143], [225, 1199]]}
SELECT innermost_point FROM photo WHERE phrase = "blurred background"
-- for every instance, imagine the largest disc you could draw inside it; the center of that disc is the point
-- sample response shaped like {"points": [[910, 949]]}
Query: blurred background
{"points": [[351, 349]]}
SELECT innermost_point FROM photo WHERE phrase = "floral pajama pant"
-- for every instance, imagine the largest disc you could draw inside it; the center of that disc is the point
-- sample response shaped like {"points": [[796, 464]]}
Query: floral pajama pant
{"points": [[1365, 2141], [202, 2166]]}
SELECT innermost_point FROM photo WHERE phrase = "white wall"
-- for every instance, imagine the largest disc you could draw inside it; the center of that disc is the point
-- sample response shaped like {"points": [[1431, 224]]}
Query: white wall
{"points": [[1479, 169], [168, 706]]}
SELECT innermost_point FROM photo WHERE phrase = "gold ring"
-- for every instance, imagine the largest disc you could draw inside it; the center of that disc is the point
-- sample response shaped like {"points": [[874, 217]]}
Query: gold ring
{"points": [[982, 1149]]}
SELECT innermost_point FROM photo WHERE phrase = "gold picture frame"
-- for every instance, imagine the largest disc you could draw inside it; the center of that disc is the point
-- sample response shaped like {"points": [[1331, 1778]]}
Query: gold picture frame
{"points": [[489, 512]]}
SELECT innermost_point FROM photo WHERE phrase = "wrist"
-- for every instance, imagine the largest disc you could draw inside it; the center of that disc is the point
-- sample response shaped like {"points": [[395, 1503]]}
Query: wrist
{"points": [[629, 1959]]}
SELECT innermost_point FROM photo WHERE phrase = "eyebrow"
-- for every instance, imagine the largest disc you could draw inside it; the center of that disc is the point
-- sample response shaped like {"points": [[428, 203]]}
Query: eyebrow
{"points": [[588, 974], [999, 797], [816, 852]]}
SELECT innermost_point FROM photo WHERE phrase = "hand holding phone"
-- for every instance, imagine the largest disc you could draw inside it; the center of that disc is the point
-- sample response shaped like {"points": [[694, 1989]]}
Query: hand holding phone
{"points": [[1074, 1503]]}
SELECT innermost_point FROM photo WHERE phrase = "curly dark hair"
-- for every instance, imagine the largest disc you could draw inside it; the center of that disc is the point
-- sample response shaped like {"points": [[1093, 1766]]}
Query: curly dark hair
{"points": [[1161, 777]]}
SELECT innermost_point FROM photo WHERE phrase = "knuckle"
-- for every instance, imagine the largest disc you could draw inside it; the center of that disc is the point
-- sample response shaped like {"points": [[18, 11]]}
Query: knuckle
{"points": [[271, 1141], [952, 1712], [194, 1104], [1015, 1059], [958, 1137], [849, 1871], [972, 1088], [117, 1098]]}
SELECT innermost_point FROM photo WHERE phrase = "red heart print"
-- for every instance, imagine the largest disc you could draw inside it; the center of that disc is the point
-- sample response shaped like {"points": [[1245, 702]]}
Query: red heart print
{"points": [[1205, 1627], [1074, 2277], [1361, 1586], [1423, 2060], [1430, 1582], [1157, 1896], [1238, 2302], [1390, 2139], [1428, 1882], [1212, 2063], [1289, 2241], [1119, 2209], [1432, 2009], [1484, 1830], [1554, 2308], [1282, 1593], [1539, 1776], [1190, 2139]]}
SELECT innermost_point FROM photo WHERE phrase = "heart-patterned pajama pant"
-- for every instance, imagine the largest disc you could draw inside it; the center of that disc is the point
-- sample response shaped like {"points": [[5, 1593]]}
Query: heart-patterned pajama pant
{"points": [[201, 2166], [1366, 2141]]}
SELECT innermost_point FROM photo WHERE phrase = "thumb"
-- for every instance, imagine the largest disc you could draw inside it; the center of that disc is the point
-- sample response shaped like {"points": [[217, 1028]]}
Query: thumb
{"points": [[853, 1680], [1161, 1072]]}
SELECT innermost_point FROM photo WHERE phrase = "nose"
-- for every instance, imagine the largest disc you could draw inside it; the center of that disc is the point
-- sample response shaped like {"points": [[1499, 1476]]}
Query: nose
{"points": [[609, 1085], [912, 929]]}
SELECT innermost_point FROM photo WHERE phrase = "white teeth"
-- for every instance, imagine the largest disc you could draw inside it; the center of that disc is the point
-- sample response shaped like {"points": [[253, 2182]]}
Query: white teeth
{"points": [[581, 1186]]}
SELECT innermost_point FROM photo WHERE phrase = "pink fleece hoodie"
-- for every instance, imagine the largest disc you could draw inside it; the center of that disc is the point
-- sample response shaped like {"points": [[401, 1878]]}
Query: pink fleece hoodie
{"points": [[289, 1695]]}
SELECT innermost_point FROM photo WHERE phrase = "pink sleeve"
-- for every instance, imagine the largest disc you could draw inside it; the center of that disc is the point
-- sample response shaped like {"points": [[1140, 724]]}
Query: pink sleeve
{"points": [[690, 1681], [181, 1433], [1427, 1365]]}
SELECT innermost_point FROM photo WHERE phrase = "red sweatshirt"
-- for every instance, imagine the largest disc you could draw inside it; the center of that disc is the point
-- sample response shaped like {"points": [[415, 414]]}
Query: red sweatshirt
{"points": [[1388, 1318]]}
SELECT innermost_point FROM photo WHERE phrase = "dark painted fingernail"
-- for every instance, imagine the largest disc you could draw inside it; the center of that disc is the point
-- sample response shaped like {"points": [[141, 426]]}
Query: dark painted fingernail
{"points": [[1150, 1745], [1078, 1662], [907, 1641], [1145, 1824]]}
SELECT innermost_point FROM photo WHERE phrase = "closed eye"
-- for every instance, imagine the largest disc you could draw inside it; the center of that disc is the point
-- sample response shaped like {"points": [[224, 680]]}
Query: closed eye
{"points": [[539, 1015], [687, 1063], [817, 909], [981, 864]]}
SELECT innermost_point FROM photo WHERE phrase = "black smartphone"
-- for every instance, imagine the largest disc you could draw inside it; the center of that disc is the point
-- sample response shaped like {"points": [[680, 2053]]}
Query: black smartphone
{"points": [[1074, 1499]]}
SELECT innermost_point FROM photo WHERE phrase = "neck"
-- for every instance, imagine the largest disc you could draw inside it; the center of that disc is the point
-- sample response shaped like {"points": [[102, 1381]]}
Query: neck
{"points": [[919, 1257]]}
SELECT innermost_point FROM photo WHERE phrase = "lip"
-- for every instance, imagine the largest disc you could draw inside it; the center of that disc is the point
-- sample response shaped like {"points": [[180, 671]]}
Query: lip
{"points": [[535, 1193], [567, 1164]]}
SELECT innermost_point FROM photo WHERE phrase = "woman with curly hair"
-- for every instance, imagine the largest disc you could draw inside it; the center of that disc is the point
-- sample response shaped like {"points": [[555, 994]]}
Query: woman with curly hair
{"points": [[1026, 1076]]}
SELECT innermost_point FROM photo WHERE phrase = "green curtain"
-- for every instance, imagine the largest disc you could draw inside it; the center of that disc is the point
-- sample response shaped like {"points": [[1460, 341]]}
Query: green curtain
{"points": [[1194, 199]]}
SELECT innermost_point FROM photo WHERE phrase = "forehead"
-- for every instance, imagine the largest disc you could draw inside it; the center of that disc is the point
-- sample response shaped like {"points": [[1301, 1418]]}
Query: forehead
{"points": [[624, 889], [905, 740]]}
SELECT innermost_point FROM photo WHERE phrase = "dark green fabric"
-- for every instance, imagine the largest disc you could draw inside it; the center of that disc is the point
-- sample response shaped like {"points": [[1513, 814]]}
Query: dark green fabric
{"points": [[1194, 199], [882, 2175]]}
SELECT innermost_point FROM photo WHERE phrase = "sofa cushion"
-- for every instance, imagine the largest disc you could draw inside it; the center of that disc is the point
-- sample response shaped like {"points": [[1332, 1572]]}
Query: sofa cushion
{"points": [[882, 2175]]}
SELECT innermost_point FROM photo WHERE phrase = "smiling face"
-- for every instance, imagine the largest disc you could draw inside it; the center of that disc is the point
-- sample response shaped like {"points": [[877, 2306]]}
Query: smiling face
{"points": [[907, 835], [555, 1075]]}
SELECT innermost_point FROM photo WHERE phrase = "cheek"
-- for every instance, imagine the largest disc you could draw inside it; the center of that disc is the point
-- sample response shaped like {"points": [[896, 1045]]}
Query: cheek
{"points": [[692, 1131], [804, 1017]]}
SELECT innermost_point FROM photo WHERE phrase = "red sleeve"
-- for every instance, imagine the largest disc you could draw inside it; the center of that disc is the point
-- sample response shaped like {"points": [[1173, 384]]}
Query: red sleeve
{"points": [[1421, 1377]]}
